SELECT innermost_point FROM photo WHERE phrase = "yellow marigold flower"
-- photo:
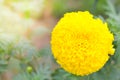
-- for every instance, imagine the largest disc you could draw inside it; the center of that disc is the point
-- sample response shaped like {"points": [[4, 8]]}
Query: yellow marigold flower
{"points": [[81, 44]]}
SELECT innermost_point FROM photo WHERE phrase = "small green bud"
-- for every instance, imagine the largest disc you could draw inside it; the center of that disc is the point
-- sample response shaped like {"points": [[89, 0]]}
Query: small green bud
{"points": [[29, 69]]}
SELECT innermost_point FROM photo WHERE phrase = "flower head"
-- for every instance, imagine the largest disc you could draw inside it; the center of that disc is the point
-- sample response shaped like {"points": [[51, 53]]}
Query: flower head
{"points": [[81, 44]]}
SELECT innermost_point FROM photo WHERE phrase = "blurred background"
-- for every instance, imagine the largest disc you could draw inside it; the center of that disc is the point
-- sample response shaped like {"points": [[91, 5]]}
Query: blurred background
{"points": [[25, 30]]}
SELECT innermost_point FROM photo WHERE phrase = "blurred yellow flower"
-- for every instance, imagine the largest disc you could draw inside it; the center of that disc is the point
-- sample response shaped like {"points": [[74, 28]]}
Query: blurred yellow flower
{"points": [[81, 44]]}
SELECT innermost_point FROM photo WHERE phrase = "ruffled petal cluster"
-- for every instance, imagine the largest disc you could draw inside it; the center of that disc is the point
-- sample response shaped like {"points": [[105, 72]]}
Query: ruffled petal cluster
{"points": [[81, 44]]}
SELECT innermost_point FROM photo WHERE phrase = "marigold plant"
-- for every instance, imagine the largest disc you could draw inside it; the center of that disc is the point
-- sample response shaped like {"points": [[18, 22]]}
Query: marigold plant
{"points": [[81, 44]]}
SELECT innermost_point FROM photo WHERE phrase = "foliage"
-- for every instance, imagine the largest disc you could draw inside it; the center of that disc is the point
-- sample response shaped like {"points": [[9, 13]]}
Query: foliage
{"points": [[14, 47], [42, 73], [62, 6]]}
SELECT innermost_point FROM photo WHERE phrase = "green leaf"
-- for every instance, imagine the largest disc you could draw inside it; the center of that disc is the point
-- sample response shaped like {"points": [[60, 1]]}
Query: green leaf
{"points": [[60, 74], [3, 65]]}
